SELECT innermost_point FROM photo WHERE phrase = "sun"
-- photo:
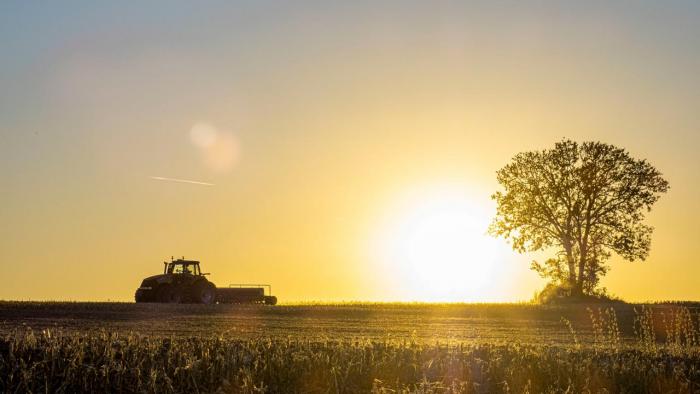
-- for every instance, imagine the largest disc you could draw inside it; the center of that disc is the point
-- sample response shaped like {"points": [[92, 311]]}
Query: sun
{"points": [[435, 245]]}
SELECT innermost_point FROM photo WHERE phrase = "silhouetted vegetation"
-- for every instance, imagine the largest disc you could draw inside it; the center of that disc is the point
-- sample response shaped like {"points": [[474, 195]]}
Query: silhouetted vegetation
{"points": [[559, 293], [661, 354], [640, 348], [585, 201]]}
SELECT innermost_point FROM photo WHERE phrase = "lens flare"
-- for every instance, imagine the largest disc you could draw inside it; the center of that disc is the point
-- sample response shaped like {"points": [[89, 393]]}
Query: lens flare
{"points": [[219, 148], [203, 134]]}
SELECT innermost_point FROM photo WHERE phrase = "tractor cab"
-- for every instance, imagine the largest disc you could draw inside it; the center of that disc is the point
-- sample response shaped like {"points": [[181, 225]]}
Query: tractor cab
{"points": [[181, 266]]}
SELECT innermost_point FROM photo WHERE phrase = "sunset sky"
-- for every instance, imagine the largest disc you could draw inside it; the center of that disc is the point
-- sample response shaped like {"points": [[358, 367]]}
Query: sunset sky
{"points": [[343, 151]]}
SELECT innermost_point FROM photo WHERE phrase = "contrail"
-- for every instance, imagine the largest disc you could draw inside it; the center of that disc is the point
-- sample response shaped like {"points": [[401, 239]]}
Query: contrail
{"points": [[160, 178]]}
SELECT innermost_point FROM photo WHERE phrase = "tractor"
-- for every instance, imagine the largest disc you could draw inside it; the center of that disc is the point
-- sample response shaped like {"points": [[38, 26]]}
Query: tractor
{"points": [[182, 281]]}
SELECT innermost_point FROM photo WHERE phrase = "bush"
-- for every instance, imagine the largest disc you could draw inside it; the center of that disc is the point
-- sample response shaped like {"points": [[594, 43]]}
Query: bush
{"points": [[557, 294]]}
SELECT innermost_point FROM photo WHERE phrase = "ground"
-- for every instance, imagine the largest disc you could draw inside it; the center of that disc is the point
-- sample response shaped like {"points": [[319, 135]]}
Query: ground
{"points": [[428, 322], [348, 347]]}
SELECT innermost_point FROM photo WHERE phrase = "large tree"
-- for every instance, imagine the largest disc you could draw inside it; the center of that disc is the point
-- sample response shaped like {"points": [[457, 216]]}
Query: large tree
{"points": [[585, 201]]}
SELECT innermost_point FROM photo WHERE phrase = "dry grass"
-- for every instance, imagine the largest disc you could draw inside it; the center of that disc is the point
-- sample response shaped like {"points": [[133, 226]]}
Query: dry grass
{"points": [[662, 355]]}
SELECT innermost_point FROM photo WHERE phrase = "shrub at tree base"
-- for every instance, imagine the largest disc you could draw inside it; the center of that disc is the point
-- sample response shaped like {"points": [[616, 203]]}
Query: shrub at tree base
{"points": [[561, 293]]}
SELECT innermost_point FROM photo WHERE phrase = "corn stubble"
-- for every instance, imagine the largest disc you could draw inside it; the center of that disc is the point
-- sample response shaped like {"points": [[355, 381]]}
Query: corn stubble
{"points": [[663, 356]]}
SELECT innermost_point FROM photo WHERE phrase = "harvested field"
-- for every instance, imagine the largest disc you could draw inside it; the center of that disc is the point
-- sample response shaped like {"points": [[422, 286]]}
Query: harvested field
{"points": [[120, 347]]}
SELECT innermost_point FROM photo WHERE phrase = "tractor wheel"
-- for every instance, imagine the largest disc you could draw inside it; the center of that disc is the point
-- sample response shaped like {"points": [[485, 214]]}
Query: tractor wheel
{"points": [[270, 300], [139, 296], [176, 297], [204, 293], [169, 294]]}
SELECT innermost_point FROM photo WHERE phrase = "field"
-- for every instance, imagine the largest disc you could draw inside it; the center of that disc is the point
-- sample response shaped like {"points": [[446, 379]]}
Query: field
{"points": [[122, 347]]}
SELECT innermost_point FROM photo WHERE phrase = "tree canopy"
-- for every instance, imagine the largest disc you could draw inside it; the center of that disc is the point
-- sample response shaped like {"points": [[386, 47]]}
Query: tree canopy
{"points": [[586, 201]]}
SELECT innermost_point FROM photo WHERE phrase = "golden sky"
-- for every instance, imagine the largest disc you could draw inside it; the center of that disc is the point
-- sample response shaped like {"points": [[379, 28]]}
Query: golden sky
{"points": [[344, 144]]}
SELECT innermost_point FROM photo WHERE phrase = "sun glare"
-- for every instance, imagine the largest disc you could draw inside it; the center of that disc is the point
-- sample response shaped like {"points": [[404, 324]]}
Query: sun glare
{"points": [[437, 247]]}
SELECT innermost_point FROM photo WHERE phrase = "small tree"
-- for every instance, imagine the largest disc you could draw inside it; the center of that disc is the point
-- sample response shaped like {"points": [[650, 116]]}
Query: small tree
{"points": [[585, 200]]}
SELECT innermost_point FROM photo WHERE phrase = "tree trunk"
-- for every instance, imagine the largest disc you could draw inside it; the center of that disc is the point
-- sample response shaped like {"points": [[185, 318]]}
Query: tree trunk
{"points": [[581, 271], [570, 261], [577, 290]]}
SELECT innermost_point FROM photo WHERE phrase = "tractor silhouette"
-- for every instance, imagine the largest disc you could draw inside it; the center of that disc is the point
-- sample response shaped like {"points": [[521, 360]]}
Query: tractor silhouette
{"points": [[182, 281]]}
